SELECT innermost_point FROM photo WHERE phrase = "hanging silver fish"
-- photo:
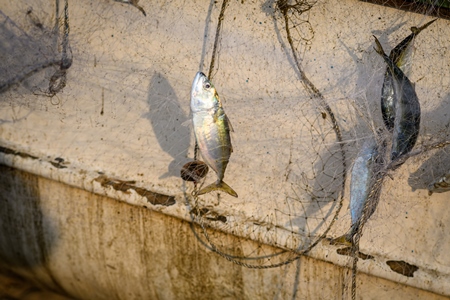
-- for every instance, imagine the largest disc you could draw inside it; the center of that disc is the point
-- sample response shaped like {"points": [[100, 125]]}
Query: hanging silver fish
{"points": [[401, 55], [212, 131], [407, 109], [365, 172], [440, 185]]}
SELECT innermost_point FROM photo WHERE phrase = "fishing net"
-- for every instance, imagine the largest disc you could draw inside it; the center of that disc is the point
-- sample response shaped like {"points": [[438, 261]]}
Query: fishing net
{"points": [[300, 83]]}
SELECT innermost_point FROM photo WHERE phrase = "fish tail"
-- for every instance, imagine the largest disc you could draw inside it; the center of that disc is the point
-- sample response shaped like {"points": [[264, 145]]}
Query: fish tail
{"points": [[416, 30], [218, 185], [379, 48]]}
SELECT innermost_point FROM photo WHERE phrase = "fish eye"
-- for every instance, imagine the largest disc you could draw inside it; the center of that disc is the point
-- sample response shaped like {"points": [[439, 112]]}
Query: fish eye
{"points": [[207, 85]]}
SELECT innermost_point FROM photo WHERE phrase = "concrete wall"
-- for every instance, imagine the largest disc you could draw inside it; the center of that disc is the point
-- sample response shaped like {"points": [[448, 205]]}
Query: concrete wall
{"points": [[117, 131], [88, 246]]}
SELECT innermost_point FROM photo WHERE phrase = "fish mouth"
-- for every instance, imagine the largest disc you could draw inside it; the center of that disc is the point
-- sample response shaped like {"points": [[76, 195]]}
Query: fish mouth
{"points": [[198, 76], [195, 84]]}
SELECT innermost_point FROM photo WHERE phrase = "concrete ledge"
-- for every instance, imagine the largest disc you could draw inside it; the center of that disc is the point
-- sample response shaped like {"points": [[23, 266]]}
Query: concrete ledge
{"points": [[94, 247]]}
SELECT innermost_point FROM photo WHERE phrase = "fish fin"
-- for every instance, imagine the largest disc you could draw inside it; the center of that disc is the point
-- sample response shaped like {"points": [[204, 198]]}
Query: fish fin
{"points": [[229, 124], [417, 30], [342, 240], [218, 185], [230, 127]]}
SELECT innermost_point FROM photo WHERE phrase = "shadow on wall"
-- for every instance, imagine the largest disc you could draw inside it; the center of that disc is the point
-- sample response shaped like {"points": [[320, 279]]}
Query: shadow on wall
{"points": [[13, 286], [167, 117], [433, 168], [323, 189], [438, 163], [325, 185], [27, 237], [24, 52]]}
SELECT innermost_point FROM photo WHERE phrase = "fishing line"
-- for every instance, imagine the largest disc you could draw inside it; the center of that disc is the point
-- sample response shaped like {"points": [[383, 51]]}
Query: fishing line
{"points": [[213, 58], [243, 264], [66, 61], [24, 75], [302, 7], [231, 258], [56, 28], [58, 79], [216, 40], [205, 35]]}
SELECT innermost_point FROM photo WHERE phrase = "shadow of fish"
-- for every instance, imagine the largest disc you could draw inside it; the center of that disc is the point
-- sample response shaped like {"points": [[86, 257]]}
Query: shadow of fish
{"points": [[430, 170], [438, 162], [407, 109], [401, 56], [166, 117]]}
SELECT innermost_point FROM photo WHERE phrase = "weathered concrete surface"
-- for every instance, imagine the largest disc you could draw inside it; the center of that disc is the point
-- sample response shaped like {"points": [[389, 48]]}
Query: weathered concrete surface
{"points": [[120, 120], [15, 287], [92, 247]]}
